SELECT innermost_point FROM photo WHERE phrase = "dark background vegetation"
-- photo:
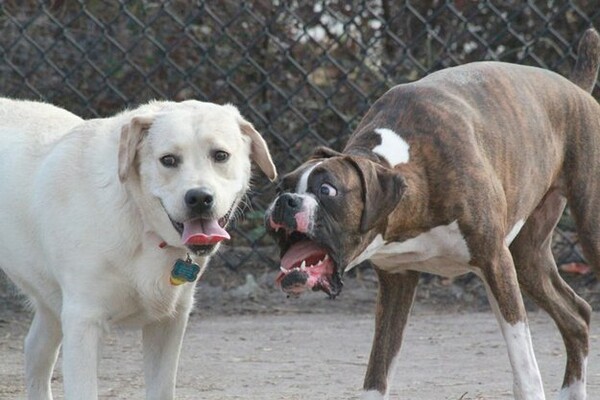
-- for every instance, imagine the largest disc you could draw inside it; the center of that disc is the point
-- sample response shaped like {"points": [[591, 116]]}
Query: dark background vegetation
{"points": [[303, 72]]}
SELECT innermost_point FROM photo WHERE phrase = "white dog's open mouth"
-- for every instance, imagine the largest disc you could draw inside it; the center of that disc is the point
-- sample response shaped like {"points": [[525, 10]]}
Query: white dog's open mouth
{"points": [[203, 232], [201, 235]]}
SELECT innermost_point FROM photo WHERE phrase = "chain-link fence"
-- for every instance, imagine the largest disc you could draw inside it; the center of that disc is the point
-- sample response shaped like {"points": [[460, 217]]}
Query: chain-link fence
{"points": [[303, 72]]}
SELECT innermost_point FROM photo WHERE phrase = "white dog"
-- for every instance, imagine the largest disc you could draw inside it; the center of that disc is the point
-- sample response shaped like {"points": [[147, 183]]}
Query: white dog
{"points": [[98, 220]]}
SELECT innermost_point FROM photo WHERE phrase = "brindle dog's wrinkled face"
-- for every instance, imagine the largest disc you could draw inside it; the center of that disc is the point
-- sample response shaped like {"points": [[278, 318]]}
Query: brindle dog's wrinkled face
{"points": [[326, 213]]}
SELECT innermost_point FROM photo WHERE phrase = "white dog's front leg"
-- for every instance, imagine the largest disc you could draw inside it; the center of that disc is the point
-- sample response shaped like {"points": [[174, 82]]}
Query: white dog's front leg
{"points": [[41, 351], [162, 346], [82, 337]]}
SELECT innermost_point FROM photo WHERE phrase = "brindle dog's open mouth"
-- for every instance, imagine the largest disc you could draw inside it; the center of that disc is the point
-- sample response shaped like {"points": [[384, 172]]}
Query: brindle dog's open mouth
{"points": [[305, 264]]}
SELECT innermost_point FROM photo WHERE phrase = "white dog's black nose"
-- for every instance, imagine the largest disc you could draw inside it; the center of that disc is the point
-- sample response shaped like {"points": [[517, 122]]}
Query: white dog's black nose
{"points": [[199, 200]]}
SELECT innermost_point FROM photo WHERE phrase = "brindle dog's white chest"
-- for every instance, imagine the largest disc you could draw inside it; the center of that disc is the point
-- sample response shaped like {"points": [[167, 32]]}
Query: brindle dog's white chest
{"points": [[441, 251]]}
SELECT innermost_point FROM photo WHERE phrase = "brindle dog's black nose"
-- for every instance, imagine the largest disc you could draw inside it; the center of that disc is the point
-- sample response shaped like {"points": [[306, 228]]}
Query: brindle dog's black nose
{"points": [[199, 200], [291, 202], [287, 203], [285, 209]]}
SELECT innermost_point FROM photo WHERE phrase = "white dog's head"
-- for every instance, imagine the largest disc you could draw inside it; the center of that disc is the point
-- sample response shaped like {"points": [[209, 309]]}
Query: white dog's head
{"points": [[190, 162]]}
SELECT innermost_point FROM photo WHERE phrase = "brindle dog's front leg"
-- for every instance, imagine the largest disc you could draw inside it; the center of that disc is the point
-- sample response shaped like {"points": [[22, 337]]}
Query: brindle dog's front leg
{"points": [[394, 302]]}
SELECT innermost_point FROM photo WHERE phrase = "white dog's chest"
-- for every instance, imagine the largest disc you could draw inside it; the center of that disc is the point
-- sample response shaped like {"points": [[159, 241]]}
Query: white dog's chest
{"points": [[147, 294], [144, 304]]}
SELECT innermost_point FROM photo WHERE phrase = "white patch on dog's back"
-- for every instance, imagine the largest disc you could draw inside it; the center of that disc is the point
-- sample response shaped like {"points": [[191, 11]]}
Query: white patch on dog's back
{"points": [[441, 250], [393, 148], [514, 232], [303, 182]]}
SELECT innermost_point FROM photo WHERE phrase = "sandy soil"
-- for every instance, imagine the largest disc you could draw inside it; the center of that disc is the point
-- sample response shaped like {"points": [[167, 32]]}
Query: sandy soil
{"points": [[252, 343]]}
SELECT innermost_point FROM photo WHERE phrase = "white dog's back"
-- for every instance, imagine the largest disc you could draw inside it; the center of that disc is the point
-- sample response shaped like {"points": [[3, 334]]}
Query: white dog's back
{"points": [[28, 130], [52, 163], [34, 121]]}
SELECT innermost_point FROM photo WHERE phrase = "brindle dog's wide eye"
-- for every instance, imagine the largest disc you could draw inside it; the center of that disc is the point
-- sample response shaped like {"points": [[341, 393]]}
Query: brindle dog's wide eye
{"points": [[220, 156], [169, 161], [327, 190]]}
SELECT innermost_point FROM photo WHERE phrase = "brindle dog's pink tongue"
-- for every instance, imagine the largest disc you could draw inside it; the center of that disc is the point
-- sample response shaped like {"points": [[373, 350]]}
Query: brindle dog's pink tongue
{"points": [[203, 232], [298, 252]]}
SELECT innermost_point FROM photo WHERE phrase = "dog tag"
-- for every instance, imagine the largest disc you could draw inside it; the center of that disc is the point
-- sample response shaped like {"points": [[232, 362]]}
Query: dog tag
{"points": [[184, 271]]}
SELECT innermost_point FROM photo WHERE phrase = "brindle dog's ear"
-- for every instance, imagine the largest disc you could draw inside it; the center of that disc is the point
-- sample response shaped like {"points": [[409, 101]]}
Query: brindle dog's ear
{"points": [[131, 137], [382, 190], [324, 152]]}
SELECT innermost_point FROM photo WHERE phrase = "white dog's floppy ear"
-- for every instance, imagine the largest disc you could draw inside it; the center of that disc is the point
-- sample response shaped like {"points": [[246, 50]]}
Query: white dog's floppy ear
{"points": [[131, 136], [260, 152]]}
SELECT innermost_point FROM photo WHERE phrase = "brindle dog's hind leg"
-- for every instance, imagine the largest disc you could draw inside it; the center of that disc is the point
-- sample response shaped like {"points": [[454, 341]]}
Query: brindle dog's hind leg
{"points": [[539, 278]]}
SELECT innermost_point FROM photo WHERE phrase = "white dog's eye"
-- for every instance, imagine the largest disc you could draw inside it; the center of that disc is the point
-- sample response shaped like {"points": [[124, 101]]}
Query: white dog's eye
{"points": [[169, 161], [220, 156], [327, 190]]}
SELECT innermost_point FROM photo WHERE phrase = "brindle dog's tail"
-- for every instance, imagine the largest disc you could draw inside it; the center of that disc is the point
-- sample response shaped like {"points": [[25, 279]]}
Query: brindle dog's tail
{"points": [[588, 60]]}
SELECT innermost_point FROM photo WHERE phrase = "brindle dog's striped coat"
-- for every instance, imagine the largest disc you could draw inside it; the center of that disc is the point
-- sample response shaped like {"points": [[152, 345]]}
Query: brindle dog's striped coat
{"points": [[468, 169]]}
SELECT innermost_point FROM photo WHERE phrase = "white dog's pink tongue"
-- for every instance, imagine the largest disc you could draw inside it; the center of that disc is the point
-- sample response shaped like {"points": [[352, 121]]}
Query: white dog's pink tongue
{"points": [[203, 232]]}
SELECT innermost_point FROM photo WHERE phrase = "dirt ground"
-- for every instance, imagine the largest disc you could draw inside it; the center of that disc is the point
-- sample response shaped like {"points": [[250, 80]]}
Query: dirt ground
{"points": [[249, 342]]}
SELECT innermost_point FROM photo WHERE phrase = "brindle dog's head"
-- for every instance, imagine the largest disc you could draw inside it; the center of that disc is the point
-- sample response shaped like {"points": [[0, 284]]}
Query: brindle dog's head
{"points": [[326, 213]]}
